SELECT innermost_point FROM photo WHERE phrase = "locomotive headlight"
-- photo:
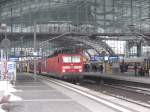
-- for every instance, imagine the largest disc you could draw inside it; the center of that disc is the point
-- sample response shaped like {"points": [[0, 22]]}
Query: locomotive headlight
{"points": [[63, 70], [80, 70]]}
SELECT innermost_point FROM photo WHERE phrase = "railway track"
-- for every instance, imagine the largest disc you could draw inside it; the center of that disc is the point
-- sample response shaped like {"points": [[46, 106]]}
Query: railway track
{"points": [[144, 91], [138, 95], [88, 92]]}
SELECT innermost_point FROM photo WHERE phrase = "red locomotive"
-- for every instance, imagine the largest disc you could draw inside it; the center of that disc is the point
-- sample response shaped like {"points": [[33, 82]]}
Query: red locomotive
{"points": [[62, 65]]}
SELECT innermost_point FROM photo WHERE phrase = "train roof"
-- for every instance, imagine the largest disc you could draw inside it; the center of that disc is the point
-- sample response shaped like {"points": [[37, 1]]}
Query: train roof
{"points": [[63, 54]]}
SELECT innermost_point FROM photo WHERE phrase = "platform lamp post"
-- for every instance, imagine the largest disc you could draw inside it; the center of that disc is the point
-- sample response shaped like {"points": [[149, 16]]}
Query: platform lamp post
{"points": [[5, 44]]}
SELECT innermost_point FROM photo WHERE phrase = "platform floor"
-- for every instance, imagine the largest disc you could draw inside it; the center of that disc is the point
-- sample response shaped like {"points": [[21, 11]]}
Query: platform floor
{"points": [[119, 76], [34, 96]]}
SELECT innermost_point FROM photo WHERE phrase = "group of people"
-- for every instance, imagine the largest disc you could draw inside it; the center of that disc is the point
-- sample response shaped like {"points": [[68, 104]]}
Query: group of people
{"points": [[123, 67], [141, 70], [93, 68], [137, 70]]}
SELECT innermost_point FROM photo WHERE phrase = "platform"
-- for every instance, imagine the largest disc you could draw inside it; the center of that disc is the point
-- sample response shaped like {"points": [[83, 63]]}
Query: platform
{"points": [[119, 76], [34, 96], [28, 95]]}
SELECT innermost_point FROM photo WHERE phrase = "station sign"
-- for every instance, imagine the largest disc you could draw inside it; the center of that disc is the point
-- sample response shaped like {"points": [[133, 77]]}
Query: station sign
{"points": [[11, 68], [8, 70], [104, 58], [97, 58], [114, 59]]}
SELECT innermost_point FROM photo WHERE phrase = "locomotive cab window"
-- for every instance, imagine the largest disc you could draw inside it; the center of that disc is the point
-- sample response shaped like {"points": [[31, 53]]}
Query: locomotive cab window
{"points": [[70, 59], [67, 59], [76, 59]]}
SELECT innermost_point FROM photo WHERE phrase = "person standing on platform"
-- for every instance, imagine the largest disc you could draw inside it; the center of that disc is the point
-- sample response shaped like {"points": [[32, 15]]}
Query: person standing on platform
{"points": [[85, 67], [142, 71], [39, 68], [135, 69], [121, 68], [101, 68]]}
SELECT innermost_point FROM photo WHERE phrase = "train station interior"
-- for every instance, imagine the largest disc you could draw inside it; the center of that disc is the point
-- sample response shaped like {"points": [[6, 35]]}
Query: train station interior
{"points": [[74, 55]]}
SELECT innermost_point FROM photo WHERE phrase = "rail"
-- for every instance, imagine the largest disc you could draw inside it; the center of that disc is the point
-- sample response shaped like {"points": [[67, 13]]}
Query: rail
{"points": [[87, 93]]}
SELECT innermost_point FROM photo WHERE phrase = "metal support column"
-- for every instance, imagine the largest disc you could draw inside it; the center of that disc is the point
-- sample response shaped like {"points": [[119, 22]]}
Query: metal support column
{"points": [[140, 13], [131, 11], [34, 44], [11, 20], [95, 16], [104, 11], [122, 13], [77, 17], [21, 51], [139, 49], [149, 14], [21, 16], [127, 49], [113, 6]]}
